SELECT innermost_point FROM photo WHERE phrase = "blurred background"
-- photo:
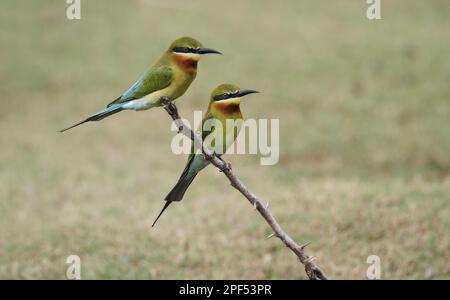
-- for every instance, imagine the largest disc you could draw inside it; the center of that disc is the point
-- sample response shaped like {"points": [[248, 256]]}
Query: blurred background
{"points": [[364, 140]]}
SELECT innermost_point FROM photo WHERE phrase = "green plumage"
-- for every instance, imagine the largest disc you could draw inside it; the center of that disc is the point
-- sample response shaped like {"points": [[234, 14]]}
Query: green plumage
{"points": [[169, 77], [157, 78]]}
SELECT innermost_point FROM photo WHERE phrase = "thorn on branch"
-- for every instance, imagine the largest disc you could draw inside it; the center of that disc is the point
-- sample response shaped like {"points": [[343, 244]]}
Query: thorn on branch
{"points": [[269, 236], [302, 247]]}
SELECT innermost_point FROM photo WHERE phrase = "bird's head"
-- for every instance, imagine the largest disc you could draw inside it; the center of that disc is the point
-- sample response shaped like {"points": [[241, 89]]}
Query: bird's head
{"points": [[189, 48], [229, 93], [227, 97]]}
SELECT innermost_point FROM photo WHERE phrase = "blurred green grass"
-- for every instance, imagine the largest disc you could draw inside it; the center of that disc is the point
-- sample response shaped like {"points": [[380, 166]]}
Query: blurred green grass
{"points": [[365, 141]]}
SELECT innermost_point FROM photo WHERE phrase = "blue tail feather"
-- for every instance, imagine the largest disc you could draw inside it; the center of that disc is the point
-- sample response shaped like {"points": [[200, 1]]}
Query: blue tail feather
{"points": [[98, 116]]}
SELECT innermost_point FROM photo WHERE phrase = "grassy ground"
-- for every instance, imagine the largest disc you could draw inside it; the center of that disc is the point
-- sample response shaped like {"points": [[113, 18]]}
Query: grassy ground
{"points": [[365, 141]]}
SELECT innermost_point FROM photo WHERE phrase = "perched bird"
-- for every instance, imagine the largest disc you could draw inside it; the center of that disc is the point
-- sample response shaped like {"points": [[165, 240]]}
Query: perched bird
{"points": [[223, 105], [170, 77]]}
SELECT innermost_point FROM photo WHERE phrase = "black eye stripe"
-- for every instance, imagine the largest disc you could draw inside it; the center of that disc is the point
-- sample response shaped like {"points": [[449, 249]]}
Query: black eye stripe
{"points": [[184, 50], [220, 97]]}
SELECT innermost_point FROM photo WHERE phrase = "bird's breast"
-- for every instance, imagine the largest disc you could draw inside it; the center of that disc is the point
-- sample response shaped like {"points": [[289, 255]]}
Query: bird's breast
{"points": [[227, 108], [182, 81], [186, 63]]}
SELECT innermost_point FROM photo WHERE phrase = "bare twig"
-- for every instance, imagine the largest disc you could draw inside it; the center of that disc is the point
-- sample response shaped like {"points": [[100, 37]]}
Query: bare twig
{"points": [[312, 270]]}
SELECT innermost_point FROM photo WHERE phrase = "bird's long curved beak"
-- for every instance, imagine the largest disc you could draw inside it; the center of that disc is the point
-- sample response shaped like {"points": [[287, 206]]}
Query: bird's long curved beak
{"points": [[207, 50], [242, 93]]}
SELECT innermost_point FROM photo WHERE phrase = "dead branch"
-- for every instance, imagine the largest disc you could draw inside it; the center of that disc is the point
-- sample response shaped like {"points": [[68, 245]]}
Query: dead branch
{"points": [[312, 270]]}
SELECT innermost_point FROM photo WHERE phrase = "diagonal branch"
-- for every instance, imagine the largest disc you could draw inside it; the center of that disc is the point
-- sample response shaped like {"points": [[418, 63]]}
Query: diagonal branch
{"points": [[312, 270]]}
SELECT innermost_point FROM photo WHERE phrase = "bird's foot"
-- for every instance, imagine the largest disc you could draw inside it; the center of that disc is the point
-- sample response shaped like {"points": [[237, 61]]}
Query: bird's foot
{"points": [[169, 106]]}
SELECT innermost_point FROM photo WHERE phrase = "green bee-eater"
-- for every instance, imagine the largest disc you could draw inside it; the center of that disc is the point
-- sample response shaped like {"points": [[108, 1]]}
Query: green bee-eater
{"points": [[170, 77], [224, 105]]}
